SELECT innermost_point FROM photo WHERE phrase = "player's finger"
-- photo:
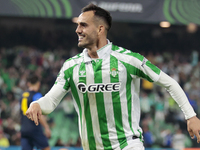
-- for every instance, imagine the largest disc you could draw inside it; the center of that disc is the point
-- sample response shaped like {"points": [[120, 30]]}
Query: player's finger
{"points": [[39, 116], [35, 118], [198, 136], [198, 140], [28, 115], [30, 118], [191, 134]]}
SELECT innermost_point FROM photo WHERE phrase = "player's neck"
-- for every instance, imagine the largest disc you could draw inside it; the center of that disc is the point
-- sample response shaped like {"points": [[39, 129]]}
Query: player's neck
{"points": [[34, 87], [92, 51], [93, 54]]}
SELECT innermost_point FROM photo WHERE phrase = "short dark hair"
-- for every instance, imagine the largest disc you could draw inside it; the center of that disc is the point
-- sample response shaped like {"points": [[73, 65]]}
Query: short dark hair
{"points": [[100, 12], [33, 78]]}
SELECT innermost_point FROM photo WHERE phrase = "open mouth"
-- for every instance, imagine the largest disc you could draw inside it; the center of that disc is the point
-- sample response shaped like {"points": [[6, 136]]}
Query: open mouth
{"points": [[80, 37]]}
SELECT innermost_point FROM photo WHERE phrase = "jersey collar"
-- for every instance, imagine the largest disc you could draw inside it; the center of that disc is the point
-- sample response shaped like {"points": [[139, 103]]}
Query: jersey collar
{"points": [[103, 52]]}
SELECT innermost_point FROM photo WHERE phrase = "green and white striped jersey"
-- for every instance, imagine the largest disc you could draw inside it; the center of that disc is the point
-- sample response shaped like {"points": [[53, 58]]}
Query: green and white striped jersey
{"points": [[106, 94]]}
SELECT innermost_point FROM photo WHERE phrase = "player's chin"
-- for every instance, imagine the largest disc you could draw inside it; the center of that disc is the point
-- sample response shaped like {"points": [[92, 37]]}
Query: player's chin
{"points": [[80, 44]]}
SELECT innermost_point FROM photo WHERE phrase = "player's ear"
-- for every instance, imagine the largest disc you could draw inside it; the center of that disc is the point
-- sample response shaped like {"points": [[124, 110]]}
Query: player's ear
{"points": [[101, 29]]}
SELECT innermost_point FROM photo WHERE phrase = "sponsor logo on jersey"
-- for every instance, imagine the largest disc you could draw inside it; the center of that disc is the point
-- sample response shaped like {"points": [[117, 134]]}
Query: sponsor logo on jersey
{"points": [[99, 87], [114, 72]]}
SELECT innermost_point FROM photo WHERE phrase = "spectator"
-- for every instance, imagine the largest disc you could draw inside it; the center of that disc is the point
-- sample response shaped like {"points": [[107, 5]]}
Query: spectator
{"points": [[4, 142], [178, 140]]}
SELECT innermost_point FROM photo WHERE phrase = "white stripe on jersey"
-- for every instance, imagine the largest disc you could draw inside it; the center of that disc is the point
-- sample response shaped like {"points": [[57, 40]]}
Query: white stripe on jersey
{"points": [[123, 99], [135, 106], [93, 107]]}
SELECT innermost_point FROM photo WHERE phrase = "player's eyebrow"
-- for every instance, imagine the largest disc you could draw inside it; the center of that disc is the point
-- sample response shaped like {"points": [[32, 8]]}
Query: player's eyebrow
{"points": [[82, 24]]}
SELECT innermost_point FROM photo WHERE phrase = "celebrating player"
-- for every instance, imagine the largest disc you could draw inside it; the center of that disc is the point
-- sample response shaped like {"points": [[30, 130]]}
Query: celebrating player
{"points": [[105, 83]]}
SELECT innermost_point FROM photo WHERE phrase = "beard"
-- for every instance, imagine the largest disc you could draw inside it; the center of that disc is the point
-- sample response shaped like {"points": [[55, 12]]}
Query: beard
{"points": [[88, 40], [81, 45], [86, 43]]}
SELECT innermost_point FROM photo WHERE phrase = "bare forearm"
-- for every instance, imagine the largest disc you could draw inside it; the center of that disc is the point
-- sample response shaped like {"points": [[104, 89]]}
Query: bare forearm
{"points": [[43, 122]]}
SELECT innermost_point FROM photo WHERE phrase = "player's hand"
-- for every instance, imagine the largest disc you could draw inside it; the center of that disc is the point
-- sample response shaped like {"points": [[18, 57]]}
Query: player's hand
{"points": [[193, 126], [34, 113]]}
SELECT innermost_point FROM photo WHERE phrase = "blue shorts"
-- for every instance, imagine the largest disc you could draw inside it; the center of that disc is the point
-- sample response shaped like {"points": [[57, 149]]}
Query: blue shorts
{"points": [[37, 139]]}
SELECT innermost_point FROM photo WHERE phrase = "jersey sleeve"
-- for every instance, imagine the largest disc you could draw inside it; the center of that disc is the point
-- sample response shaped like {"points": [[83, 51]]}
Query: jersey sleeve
{"points": [[51, 100], [141, 67], [177, 94], [152, 72]]}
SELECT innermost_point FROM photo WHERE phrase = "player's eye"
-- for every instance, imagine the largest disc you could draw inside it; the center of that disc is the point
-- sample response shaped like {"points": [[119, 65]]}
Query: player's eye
{"points": [[83, 24]]}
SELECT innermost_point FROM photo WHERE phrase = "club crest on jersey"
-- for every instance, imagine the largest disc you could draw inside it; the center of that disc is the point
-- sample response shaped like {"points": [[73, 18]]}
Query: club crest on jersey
{"points": [[82, 73], [114, 72]]}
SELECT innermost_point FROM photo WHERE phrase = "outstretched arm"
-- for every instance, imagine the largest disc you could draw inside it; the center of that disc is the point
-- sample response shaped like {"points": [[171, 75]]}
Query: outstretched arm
{"points": [[179, 96]]}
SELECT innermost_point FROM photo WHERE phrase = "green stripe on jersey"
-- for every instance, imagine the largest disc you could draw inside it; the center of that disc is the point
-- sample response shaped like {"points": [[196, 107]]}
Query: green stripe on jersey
{"points": [[90, 133], [138, 56], [141, 139], [137, 72], [115, 47], [128, 52], [73, 89], [68, 73], [117, 104], [153, 67], [100, 105], [129, 99]]}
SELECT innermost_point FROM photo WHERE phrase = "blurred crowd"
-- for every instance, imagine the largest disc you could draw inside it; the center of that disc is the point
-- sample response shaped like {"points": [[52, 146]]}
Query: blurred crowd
{"points": [[162, 120], [15, 66]]}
